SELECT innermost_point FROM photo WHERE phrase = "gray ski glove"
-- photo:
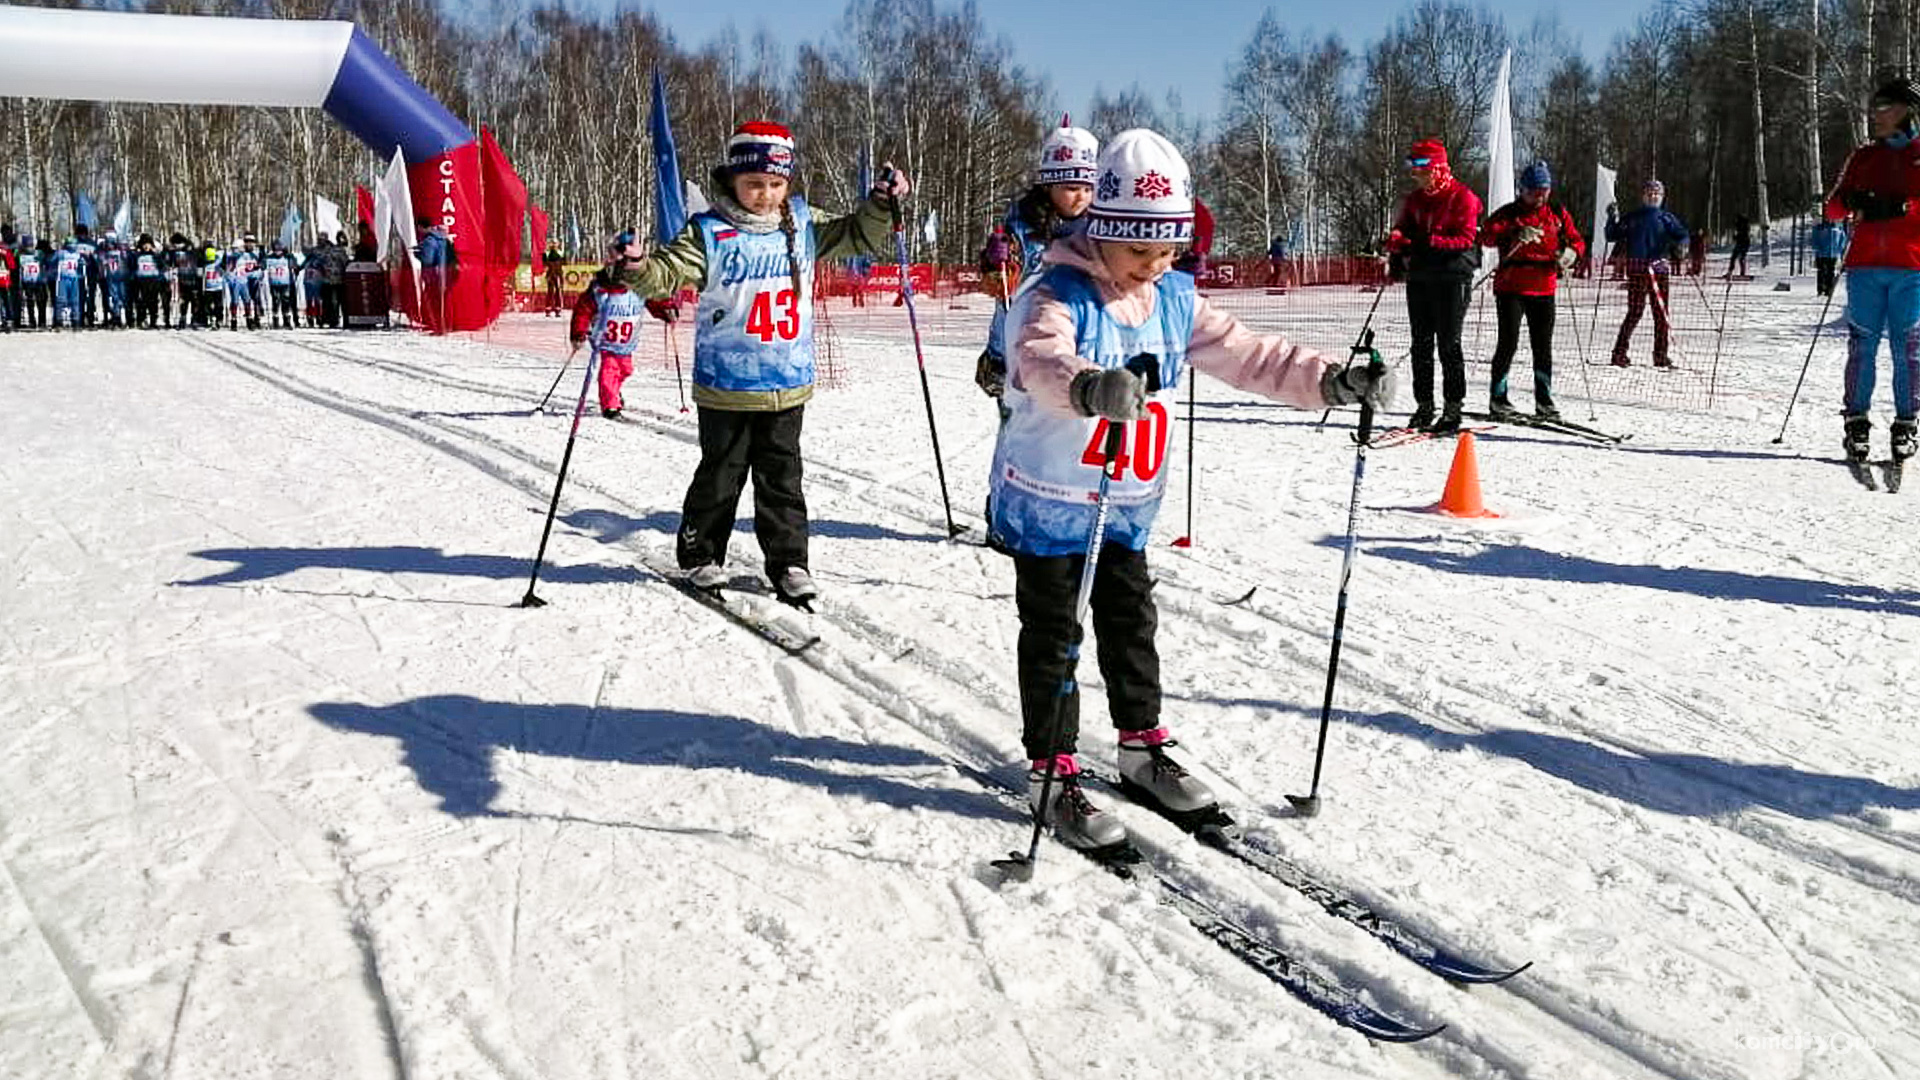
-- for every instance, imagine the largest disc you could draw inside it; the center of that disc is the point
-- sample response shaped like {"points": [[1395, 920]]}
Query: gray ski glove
{"points": [[1115, 393], [1363, 380]]}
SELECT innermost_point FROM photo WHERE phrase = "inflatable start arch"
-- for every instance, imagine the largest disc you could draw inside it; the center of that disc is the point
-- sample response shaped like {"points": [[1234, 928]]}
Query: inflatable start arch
{"points": [[226, 61]]}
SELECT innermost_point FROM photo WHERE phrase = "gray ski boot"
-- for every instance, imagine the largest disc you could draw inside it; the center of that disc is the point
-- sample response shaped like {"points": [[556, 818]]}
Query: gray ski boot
{"points": [[1150, 776], [1069, 813]]}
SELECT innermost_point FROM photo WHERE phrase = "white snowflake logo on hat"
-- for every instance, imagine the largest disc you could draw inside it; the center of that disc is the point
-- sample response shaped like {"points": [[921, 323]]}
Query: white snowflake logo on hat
{"points": [[1152, 185], [1109, 186]]}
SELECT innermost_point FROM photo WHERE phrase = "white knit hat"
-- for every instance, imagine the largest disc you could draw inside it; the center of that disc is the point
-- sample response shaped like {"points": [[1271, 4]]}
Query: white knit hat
{"points": [[1144, 194], [1067, 156]]}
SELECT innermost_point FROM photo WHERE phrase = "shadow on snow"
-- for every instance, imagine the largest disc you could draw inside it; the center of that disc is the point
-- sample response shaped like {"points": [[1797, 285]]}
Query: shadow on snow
{"points": [[448, 740]]}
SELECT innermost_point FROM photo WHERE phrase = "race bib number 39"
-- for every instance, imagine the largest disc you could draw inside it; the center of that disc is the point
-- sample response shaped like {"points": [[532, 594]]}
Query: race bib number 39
{"points": [[617, 332]]}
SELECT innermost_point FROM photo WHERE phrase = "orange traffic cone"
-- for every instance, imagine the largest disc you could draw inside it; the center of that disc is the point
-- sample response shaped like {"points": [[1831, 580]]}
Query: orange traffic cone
{"points": [[1462, 495]]}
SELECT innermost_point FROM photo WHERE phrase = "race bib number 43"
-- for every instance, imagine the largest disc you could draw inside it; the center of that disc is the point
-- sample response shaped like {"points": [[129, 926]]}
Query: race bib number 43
{"points": [[775, 316]]}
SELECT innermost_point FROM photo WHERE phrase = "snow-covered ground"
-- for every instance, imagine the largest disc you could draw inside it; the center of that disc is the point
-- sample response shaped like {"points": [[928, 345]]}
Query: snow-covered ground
{"points": [[290, 788]]}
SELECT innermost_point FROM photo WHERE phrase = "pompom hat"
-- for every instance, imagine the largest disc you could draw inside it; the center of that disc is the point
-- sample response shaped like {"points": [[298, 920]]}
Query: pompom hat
{"points": [[760, 146], [1144, 193], [1068, 155], [1536, 177]]}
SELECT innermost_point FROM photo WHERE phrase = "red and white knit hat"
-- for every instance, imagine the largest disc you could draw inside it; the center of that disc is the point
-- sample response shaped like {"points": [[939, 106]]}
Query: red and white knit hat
{"points": [[760, 146], [1068, 155], [1144, 193]]}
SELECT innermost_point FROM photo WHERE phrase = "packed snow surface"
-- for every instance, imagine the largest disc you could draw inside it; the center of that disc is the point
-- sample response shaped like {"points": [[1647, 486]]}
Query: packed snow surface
{"points": [[290, 788]]}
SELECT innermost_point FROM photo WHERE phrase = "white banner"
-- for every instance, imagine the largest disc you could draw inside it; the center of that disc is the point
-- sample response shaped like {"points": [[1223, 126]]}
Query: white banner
{"points": [[1603, 179]]}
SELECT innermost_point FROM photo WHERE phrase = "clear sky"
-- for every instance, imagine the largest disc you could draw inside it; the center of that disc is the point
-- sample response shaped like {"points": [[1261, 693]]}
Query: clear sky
{"points": [[1161, 44]]}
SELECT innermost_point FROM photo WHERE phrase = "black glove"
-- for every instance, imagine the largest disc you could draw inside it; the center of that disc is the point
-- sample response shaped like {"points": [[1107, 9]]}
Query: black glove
{"points": [[1875, 205], [990, 374], [1397, 267], [1115, 393]]}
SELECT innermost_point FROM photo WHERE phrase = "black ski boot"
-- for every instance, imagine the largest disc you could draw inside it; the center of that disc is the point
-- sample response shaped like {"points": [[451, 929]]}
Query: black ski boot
{"points": [[1904, 443], [1449, 421], [1501, 409], [1422, 416], [1856, 442]]}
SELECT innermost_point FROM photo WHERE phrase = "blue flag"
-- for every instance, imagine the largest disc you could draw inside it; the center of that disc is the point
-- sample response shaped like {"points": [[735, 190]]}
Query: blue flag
{"points": [[670, 212], [862, 183], [83, 213], [290, 228]]}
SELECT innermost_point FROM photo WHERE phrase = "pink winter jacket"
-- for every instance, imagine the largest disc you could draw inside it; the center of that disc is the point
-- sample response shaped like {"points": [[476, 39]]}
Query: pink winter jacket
{"points": [[1044, 361]]}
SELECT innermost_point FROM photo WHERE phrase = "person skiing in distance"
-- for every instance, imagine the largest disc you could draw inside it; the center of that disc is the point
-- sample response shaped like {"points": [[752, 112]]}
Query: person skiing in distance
{"points": [[1537, 243], [1644, 241], [554, 264], [1434, 246], [751, 256], [36, 281], [1742, 243], [114, 271], [608, 315], [149, 281], [1879, 189], [1105, 295], [280, 270], [1829, 243], [1048, 210]]}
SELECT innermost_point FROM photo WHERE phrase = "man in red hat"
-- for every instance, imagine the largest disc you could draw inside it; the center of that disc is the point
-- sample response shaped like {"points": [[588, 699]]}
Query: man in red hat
{"points": [[1434, 248]]}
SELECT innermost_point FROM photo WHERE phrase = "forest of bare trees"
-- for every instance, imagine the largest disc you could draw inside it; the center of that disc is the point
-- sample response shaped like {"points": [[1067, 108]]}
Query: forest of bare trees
{"points": [[1741, 106]]}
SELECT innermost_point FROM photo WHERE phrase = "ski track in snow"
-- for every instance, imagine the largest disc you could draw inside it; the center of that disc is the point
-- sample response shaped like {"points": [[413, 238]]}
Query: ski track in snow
{"points": [[1467, 789]]}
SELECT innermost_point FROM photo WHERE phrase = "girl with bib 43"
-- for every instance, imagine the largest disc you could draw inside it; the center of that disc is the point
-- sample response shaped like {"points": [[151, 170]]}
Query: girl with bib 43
{"points": [[1106, 295], [751, 258]]}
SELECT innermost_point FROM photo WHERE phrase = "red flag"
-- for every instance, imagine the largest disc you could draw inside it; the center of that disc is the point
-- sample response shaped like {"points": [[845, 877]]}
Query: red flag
{"points": [[1202, 228], [363, 205], [505, 212], [537, 219]]}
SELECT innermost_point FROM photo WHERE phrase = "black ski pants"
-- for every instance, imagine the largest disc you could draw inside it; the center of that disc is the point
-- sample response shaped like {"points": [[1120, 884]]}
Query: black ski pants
{"points": [[33, 302], [1124, 620], [1510, 308], [1436, 311], [733, 446], [1824, 268]]}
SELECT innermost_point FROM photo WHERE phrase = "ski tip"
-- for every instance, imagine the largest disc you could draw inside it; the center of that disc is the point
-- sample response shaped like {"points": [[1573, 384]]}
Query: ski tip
{"points": [[1244, 598], [1465, 973], [1403, 1033]]}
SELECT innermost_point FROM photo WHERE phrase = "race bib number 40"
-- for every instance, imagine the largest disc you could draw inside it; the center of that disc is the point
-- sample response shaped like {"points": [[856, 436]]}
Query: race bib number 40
{"points": [[1143, 445]]}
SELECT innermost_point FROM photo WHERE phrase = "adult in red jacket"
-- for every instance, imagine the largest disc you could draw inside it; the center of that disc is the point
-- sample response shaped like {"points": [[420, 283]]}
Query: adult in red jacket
{"points": [[1880, 189], [1537, 243], [1434, 247]]}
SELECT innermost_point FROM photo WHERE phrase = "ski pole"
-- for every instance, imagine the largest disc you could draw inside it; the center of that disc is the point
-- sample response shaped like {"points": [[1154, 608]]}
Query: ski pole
{"points": [[1017, 866], [1586, 380], [926, 392], [1308, 805], [1366, 334], [579, 410], [556, 383], [679, 380], [1186, 540], [1807, 363]]}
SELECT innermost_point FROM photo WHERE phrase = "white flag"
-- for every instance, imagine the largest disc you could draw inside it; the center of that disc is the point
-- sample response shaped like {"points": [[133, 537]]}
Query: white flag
{"points": [[393, 208], [123, 217], [931, 230], [1500, 139], [326, 217], [696, 199], [1603, 179]]}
